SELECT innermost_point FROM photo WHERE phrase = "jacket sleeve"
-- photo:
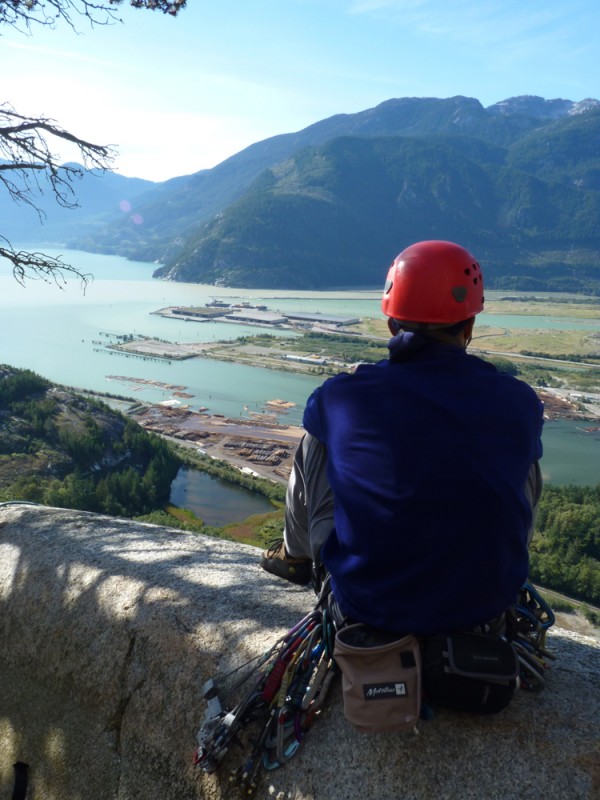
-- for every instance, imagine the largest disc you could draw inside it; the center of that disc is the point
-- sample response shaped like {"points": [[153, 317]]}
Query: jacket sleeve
{"points": [[312, 421]]}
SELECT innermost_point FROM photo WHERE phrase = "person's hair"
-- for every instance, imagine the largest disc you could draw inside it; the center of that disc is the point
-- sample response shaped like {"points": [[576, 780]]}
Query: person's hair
{"points": [[454, 329], [433, 330]]}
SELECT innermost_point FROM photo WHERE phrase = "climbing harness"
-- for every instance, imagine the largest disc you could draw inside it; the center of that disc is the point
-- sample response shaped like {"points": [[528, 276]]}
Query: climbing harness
{"points": [[527, 622], [288, 686], [290, 681]]}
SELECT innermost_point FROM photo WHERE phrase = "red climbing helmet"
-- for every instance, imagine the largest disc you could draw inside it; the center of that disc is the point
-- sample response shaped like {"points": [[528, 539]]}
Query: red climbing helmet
{"points": [[434, 282]]}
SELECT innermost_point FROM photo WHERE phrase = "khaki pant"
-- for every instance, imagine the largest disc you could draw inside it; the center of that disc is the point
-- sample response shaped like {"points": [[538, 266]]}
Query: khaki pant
{"points": [[309, 502]]}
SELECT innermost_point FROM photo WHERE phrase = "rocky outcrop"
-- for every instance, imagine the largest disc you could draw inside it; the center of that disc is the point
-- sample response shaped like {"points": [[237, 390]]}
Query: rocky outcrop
{"points": [[109, 628]]}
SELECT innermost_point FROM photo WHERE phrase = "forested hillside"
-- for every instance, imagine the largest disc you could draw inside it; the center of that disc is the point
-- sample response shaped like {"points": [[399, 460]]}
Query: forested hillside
{"points": [[565, 553], [61, 449], [335, 215], [331, 205]]}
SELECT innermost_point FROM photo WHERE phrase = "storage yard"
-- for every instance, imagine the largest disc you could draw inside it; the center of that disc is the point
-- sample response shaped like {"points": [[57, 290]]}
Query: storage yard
{"points": [[261, 446]]}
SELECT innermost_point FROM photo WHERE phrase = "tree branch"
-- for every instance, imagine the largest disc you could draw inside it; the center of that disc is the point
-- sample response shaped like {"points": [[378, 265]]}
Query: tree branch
{"points": [[25, 145], [37, 266], [22, 165], [25, 152], [23, 14], [165, 6]]}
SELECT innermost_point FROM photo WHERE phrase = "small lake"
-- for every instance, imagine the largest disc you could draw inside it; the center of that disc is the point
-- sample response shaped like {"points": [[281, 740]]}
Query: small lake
{"points": [[215, 501]]}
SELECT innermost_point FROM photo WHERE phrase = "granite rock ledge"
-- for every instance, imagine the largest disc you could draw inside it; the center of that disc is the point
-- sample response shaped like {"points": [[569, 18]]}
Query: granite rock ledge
{"points": [[109, 628]]}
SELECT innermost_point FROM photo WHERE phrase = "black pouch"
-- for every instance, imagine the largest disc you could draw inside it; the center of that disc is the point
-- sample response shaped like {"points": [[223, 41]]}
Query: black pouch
{"points": [[469, 672]]}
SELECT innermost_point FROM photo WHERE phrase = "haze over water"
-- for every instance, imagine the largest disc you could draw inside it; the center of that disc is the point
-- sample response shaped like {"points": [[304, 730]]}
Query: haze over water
{"points": [[53, 332]]}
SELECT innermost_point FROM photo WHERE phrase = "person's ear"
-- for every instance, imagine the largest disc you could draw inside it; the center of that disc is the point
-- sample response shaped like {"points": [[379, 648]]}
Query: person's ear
{"points": [[468, 331], [393, 325]]}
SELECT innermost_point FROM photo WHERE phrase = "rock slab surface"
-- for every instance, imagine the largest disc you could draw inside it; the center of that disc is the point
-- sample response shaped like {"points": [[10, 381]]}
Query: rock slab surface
{"points": [[109, 628]]}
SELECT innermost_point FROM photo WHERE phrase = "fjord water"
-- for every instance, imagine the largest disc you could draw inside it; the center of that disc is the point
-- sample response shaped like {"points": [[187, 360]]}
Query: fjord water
{"points": [[53, 331]]}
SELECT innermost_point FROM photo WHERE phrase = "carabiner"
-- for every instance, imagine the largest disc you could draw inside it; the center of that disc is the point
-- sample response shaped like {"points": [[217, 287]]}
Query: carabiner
{"points": [[287, 746]]}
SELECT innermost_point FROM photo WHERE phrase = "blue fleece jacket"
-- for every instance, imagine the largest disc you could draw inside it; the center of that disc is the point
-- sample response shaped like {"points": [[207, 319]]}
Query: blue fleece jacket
{"points": [[428, 455]]}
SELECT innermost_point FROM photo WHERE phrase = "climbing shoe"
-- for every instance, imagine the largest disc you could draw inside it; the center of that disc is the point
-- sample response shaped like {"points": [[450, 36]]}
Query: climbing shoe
{"points": [[276, 561]]}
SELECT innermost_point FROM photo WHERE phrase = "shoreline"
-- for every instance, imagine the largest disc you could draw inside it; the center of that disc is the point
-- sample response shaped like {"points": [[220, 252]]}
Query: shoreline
{"points": [[266, 448], [566, 404]]}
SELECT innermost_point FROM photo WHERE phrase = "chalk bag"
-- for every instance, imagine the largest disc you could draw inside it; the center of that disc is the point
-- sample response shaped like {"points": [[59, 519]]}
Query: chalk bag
{"points": [[381, 678]]}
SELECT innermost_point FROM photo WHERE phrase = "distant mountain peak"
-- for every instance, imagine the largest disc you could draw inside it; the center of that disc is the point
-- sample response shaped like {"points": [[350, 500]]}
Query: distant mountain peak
{"points": [[534, 106], [589, 104]]}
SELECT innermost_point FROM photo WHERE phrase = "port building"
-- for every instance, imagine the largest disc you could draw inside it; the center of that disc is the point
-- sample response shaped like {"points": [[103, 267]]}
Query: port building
{"points": [[329, 319], [257, 317]]}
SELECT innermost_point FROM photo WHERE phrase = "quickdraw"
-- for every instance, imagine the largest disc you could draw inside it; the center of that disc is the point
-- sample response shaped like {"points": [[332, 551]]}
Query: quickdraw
{"points": [[289, 685], [528, 622]]}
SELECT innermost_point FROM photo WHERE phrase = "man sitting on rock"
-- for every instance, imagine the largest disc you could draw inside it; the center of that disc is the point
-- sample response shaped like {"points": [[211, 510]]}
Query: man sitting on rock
{"points": [[416, 483]]}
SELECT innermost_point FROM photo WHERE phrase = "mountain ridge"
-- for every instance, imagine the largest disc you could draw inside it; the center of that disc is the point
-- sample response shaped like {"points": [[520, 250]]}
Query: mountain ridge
{"points": [[523, 222], [233, 224]]}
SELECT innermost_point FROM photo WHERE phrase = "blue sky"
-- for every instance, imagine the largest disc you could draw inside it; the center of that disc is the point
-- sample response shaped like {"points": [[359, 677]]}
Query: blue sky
{"points": [[180, 95]]}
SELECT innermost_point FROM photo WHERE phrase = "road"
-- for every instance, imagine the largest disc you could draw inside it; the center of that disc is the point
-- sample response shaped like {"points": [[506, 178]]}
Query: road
{"points": [[533, 358]]}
